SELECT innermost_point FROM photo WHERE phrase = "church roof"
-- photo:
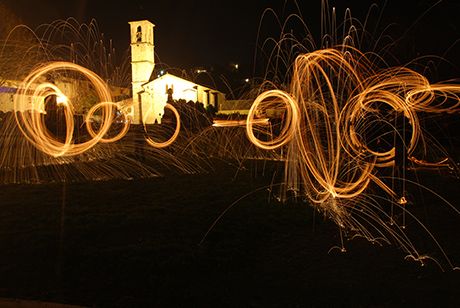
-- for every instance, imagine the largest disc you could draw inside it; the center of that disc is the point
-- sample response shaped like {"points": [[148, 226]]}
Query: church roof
{"points": [[172, 76]]}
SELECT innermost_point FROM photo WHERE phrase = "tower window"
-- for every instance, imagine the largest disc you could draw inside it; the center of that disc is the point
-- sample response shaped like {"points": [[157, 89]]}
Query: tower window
{"points": [[139, 34]]}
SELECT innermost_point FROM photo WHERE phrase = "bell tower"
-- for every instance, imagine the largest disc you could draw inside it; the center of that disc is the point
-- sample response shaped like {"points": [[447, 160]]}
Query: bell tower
{"points": [[142, 64]]}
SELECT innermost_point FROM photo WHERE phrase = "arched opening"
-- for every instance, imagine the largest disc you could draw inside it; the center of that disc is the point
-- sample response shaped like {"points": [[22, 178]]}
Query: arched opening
{"points": [[139, 34]]}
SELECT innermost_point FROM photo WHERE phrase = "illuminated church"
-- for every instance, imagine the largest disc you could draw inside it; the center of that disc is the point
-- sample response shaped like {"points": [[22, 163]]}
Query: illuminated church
{"points": [[150, 94]]}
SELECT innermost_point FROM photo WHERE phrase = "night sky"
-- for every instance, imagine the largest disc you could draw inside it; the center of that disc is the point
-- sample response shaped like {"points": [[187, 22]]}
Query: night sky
{"points": [[204, 33]]}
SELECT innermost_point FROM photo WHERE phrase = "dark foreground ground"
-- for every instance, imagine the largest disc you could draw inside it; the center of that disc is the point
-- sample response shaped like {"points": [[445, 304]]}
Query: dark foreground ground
{"points": [[136, 244]]}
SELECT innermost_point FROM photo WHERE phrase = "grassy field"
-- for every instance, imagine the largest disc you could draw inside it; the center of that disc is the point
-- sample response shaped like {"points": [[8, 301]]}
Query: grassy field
{"points": [[137, 244]]}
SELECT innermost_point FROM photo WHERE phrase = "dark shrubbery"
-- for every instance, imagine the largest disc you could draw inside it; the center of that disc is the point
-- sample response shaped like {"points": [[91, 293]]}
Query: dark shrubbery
{"points": [[193, 115]]}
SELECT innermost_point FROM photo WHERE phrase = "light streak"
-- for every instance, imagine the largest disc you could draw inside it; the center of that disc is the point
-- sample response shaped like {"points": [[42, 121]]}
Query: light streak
{"points": [[168, 142], [64, 143], [233, 123], [292, 116], [332, 93], [335, 97], [34, 129], [106, 106], [32, 123]]}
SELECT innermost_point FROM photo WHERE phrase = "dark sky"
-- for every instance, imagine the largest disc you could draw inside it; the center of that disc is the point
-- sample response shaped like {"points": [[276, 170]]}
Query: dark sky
{"points": [[194, 33]]}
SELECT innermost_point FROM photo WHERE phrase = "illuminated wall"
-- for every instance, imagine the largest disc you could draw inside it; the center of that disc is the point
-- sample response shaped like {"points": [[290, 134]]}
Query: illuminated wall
{"points": [[8, 91], [240, 106], [184, 89]]}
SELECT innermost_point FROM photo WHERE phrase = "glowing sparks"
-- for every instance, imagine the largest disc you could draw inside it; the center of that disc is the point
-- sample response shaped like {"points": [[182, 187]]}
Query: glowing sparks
{"points": [[33, 127], [233, 123], [338, 127], [292, 117], [332, 94], [32, 123], [106, 107], [168, 142], [335, 99]]}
